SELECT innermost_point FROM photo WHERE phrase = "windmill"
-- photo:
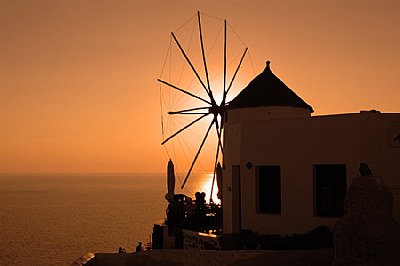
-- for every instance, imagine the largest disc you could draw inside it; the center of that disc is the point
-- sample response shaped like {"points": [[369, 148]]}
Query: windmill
{"points": [[202, 86]]}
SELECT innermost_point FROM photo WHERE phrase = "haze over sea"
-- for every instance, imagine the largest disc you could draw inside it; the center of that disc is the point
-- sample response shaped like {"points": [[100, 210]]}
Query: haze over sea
{"points": [[53, 219]]}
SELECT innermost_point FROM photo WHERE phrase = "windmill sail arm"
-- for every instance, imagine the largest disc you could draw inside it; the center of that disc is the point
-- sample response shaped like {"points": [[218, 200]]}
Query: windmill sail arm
{"points": [[182, 90], [189, 111], [204, 57], [234, 75], [219, 133], [182, 129], [197, 154], [190, 63], [224, 59]]}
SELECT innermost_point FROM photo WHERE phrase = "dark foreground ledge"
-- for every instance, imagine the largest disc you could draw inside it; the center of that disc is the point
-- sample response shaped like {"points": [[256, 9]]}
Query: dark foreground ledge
{"points": [[169, 257]]}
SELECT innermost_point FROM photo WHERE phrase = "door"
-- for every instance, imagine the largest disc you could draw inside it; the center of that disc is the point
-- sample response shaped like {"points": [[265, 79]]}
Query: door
{"points": [[236, 200]]}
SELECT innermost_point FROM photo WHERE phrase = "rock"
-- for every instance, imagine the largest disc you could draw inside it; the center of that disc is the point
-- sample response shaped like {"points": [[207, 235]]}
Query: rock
{"points": [[367, 234]]}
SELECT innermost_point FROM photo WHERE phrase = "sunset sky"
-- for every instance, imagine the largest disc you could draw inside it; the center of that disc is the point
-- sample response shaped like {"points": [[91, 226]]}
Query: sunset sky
{"points": [[78, 79]]}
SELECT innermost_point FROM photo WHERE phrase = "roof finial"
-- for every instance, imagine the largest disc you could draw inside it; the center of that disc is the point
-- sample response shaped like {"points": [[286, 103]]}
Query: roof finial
{"points": [[268, 63]]}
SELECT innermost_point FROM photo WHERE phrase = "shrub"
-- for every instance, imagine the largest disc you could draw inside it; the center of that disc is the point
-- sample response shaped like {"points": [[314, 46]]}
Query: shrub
{"points": [[319, 237], [246, 239]]}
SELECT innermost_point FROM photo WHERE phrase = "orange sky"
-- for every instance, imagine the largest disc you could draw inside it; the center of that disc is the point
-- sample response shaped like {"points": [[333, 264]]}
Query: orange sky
{"points": [[78, 89]]}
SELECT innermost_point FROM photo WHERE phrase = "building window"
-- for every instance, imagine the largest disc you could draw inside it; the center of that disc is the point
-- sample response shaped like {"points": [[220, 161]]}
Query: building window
{"points": [[329, 189], [269, 189]]}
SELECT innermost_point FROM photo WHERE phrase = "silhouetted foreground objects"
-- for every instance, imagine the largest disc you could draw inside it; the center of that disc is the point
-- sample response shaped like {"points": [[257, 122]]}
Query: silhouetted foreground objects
{"points": [[139, 247], [121, 250], [198, 216], [184, 213], [367, 234], [157, 237]]}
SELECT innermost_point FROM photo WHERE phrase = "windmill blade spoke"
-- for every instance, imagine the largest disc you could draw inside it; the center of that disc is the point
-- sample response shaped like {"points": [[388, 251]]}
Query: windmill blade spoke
{"points": [[204, 56], [195, 113], [184, 91], [198, 153], [234, 75], [219, 134], [185, 127], [189, 62], [223, 100], [189, 111]]}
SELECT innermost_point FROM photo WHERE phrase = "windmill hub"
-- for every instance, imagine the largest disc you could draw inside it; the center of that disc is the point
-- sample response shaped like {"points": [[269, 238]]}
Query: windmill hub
{"points": [[217, 110]]}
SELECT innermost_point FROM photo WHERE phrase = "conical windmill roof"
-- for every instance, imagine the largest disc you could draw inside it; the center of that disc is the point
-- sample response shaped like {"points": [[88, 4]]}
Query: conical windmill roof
{"points": [[267, 90]]}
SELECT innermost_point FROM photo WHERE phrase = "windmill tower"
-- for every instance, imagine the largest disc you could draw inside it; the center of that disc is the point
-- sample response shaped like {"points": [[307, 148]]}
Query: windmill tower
{"points": [[265, 98]]}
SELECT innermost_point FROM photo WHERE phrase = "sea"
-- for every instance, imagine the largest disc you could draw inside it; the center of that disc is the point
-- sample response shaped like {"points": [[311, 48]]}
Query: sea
{"points": [[54, 219]]}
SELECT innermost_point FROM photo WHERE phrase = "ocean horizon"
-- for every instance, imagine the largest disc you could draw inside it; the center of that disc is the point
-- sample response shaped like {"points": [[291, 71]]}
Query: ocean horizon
{"points": [[55, 218]]}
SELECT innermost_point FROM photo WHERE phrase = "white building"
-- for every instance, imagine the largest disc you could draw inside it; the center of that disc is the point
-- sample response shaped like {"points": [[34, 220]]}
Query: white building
{"points": [[286, 171]]}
